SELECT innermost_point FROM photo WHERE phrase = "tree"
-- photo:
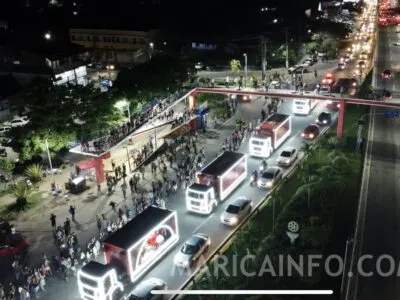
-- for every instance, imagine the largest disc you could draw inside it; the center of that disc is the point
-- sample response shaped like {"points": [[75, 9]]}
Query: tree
{"points": [[235, 65], [21, 193], [6, 165]]}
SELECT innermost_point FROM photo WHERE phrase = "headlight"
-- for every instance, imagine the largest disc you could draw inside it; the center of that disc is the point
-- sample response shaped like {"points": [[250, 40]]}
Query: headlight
{"points": [[317, 121], [311, 136], [330, 101], [269, 183], [324, 121], [302, 134], [233, 220]]}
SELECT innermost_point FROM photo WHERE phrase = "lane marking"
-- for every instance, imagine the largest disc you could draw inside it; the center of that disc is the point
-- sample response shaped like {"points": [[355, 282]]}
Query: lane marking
{"points": [[202, 223]]}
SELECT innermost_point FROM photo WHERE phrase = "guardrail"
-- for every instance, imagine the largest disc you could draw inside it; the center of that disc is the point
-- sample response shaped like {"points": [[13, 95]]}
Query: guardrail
{"points": [[226, 243]]}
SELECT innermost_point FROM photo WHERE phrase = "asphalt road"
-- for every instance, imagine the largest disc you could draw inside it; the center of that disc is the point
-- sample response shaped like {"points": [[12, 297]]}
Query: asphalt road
{"points": [[388, 57], [382, 215]]}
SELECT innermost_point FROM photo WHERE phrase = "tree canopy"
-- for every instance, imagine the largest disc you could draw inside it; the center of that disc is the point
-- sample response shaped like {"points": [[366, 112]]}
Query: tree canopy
{"points": [[59, 114]]}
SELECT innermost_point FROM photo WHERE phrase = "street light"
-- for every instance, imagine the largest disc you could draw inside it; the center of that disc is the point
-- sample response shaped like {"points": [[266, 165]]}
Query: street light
{"points": [[121, 104], [245, 69], [109, 68], [47, 36], [151, 48]]}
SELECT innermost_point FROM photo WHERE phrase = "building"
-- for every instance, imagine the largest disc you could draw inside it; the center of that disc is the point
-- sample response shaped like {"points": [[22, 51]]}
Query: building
{"points": [[114, 46], [27, 58]]}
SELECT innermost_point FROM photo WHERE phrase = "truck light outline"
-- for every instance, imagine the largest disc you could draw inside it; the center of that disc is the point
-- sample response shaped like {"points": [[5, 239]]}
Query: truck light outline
{"points": [[238, 180], [99, 291]]}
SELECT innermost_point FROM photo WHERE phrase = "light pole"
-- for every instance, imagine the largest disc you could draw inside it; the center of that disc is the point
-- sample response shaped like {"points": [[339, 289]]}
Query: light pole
{"points": [[151, 49], [48, 155], [287, 48], [245, 69], [109, 68], [129, 161]]}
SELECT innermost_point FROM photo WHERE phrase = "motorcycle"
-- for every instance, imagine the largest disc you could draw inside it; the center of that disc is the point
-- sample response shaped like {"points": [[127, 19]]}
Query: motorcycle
{"points": [[253, 180], [263, 166]]}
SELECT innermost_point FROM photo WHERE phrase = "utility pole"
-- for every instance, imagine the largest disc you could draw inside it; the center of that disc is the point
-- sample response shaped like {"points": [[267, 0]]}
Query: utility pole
{"points": [[287, 48], [263, 56]]}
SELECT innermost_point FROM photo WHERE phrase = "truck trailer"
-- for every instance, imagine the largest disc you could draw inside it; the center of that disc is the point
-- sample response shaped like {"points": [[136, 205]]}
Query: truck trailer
{"points": [[269, 135], [129, 253], [216, 181]]}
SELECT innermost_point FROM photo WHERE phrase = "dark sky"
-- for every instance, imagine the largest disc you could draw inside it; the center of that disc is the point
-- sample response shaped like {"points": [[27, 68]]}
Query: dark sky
{"points": [[202, 16]]}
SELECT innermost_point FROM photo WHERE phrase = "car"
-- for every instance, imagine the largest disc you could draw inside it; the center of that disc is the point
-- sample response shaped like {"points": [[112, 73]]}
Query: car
{"points": [[341, 66], [236, 211], [242, 98], [270, 177], [17, 122], [4, 130], [361, 64], [348, 57], [364, 55], [324, 118], [287, 156], [386, 74], [191, 250], [143, 290], [310, 132], [308, 62], [396, 44]]}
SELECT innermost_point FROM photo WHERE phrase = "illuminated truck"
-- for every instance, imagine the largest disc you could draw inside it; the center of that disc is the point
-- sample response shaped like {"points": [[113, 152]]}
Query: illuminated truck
{"points": [[269, 135], [216, 181], [129, 253]]}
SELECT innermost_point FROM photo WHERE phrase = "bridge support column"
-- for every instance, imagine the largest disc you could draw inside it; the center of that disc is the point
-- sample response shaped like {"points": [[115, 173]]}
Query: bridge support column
{"points": [[192, 108], [340, 125]]}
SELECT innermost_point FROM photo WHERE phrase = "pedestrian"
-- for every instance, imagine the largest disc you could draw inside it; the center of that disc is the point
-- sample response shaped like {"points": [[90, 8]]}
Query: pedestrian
{"points": [[53, 221], [131, 184], [98, 189], [123, 188], [124, 170], [72, 212], [263, 114], [99, 223], [67, 227], [113, 206]]}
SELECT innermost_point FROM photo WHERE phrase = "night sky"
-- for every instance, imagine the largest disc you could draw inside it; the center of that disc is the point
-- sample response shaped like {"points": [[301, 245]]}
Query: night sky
{"points": [[205, 16]]}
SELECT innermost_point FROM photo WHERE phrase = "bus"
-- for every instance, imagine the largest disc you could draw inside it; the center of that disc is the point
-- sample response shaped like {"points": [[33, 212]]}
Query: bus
{"points": [[303, 106]]}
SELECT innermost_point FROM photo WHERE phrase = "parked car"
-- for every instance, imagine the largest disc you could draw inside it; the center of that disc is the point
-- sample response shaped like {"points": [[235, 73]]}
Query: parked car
{"points": [[17, 122], [4, 130], [270, 177], [191, 250], [144, 288], [324, 118], [236, 211], [310, 132], [287, 156]]}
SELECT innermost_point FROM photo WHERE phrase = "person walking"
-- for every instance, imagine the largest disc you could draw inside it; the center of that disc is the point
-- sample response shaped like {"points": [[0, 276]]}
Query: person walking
{"points": [[53, 221], [72, 210], [98, 189], [99, 223]]}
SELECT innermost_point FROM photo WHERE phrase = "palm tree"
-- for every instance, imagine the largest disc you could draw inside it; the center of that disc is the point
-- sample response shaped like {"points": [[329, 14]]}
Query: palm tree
{"points": [[22, 193], [34, 172]]}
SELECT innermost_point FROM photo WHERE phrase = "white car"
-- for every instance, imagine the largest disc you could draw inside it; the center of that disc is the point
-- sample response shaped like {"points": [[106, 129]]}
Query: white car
{"points": [[18, 121], [397, 44], [191, 250], [144, 288], [270, 178], [287, 156], [236, 211]]}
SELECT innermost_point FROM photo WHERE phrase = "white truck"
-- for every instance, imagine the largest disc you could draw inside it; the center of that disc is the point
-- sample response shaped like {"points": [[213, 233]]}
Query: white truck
{"points": [[216, 181], [269, 135], [303, 106]]}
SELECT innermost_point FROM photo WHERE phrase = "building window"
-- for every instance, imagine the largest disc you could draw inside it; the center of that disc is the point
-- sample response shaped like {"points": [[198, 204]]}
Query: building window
{"points": [[133, 41], [124, 40], [73, 37], [95, 38], [142, 42], [88, 38]]}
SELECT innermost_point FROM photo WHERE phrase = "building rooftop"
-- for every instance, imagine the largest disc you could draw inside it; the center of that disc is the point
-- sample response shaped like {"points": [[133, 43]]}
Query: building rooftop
{"points": [[138, 227], [222, 163]]}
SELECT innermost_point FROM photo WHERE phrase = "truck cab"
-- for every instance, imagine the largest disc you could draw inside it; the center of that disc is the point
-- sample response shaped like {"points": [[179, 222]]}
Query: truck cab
{"points": [[200, 198], [98, 281]]}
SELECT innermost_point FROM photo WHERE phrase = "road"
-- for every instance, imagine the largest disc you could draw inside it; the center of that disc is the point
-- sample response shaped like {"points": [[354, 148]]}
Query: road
{"points": [[388, 57], [382, 214]]}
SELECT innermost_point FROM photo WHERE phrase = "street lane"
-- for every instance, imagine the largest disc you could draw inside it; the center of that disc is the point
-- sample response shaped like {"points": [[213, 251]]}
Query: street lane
{"points": [[382, 218], [388, 57]]}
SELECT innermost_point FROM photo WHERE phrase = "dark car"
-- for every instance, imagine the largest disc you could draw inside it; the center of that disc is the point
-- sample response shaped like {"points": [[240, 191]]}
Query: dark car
{"points": [[310, 132], [324, 118], [386, 74]]}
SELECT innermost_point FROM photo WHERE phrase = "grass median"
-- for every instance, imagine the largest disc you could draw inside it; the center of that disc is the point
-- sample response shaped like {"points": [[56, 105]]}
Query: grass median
{"points": [[321, 197]]}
